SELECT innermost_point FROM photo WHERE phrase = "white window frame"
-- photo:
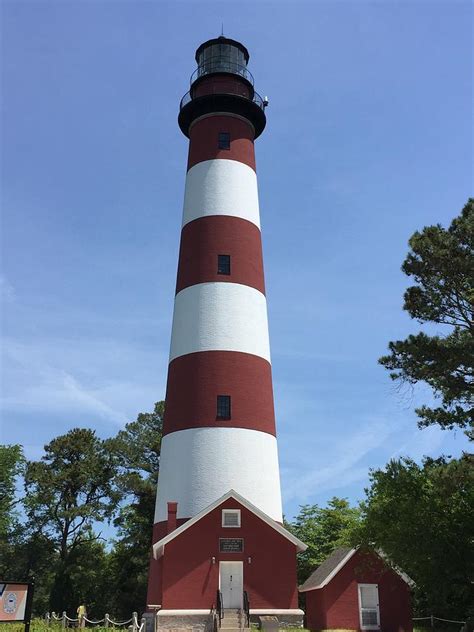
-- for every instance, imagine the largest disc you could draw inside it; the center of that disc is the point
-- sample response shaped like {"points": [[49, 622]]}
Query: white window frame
{"points": [[368, 627], [231, 511]]}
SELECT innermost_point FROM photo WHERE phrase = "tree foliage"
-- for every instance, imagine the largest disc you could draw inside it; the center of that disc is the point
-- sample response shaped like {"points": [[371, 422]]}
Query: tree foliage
{"points": [[70, 489], [11, 465], [323, 529], [137, 449], [441, 262], [421, 517]]}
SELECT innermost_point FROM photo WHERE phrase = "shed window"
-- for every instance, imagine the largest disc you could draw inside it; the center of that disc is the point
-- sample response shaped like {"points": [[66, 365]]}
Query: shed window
{"points": [[231, 517], [224, 140], [223, 264], [369, 606], [223, 407]]}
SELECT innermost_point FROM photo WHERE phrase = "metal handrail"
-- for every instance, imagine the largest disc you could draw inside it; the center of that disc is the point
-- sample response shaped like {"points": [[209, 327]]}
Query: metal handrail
{"points": [[257, 99], [219, 64], [246, 608], [220, 606]]}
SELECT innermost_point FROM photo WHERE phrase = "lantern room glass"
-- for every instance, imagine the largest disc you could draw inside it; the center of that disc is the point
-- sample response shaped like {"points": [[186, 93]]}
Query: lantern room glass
{"points": [[221, 57]]}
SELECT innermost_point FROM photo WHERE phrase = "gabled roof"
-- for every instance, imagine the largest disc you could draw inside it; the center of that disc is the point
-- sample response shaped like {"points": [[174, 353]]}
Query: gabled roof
{"points": [[328, 569], [334, 563], [158, 547]]}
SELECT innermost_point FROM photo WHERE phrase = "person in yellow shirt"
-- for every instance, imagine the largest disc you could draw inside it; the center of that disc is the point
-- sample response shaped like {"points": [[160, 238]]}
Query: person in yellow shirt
{"points": [[81, 615]]}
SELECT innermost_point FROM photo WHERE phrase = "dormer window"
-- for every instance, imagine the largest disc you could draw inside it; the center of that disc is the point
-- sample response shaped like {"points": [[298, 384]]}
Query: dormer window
{"points": [[231, 518]]}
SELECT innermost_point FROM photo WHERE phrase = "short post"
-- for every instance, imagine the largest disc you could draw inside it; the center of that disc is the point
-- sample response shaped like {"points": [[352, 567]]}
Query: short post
{"points": [[64, 621], [143, 624], [432, 622], [106, 620], [135, 621]]}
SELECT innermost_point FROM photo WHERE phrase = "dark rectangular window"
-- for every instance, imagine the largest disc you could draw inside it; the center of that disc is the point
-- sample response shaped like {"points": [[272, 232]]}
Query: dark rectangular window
{"points": [[223, 407], [224, 140], [223, 264]]}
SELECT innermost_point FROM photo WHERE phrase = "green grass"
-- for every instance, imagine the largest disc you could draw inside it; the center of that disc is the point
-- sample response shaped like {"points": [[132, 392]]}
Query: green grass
{"points": [[39, 625]]}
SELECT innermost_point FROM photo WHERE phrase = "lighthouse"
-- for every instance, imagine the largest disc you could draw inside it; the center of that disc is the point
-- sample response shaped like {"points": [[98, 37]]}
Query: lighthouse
{"points": [[220, 551]]}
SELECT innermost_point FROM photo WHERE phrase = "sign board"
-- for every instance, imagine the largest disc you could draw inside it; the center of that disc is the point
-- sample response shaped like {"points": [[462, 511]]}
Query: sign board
{"points": [[15, 602], [231, 545]]}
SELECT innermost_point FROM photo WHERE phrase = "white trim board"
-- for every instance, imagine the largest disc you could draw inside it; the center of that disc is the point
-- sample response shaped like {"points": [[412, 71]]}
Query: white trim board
{"points": [[159, 547], [276, 611], [180, 613], [254, 611]]}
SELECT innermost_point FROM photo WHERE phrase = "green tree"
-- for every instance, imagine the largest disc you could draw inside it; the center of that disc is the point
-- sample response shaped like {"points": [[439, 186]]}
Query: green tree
{"points": [[137, 450], [70, 489], [421, 518], [11, 466], [323, 530], [441, 262]]}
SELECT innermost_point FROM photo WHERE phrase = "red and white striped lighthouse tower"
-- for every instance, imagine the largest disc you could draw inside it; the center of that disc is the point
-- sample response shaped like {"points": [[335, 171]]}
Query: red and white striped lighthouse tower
{"points": [[219, 449]]}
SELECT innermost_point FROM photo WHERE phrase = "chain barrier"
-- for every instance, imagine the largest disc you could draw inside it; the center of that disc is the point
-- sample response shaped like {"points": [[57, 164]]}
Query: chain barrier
{"points": [[106, 621], [432, 618]]}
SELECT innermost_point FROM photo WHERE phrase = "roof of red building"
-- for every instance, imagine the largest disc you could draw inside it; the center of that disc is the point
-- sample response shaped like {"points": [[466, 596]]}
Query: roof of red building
{"points": [[158, 547], [334, 563]]}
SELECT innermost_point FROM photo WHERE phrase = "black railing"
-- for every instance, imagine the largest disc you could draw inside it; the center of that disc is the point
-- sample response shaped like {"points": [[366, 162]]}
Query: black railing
{"points": [[246, 608], [220, 64], [215, 625], [257, 99], [220, 606]]}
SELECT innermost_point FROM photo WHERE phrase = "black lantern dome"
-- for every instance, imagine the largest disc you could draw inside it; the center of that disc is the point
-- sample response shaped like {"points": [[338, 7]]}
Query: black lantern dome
{"points": [[222, 83]]}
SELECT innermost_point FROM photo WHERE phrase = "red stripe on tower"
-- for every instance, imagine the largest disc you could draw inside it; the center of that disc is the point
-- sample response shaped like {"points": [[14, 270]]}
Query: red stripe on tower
{"points": [[204, 140]]}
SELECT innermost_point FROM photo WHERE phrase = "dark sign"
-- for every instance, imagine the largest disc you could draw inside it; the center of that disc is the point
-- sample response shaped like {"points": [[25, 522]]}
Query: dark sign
{"points": [[231, 545]]}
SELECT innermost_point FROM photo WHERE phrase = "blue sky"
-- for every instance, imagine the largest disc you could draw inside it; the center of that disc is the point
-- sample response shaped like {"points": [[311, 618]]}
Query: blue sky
{"points": [[368, 139]]}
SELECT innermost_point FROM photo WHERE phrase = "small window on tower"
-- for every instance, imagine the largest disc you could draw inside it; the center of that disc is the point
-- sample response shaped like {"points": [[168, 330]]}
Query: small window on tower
{"points": [[223, 407], [223, 264], [224, 140]]}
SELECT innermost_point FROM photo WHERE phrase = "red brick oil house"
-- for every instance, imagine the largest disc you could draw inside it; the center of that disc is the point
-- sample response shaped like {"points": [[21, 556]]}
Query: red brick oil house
{"points": [[232, 547], [356, 590]]}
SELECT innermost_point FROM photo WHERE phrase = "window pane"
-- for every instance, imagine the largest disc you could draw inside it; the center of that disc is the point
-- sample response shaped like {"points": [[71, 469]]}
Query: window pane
{"points": [[369, 596], [223, 264], [231, 518], [224, 140], [223, 407], [369, 617]]}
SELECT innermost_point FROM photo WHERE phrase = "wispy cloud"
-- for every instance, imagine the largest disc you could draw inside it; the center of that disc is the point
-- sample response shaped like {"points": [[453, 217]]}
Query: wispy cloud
{"points": [[420, 443], [71, 376], [336, 463]]}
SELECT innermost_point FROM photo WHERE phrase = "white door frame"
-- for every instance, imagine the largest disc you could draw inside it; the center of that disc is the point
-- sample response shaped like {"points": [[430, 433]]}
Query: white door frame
{"points": [[240, 565], [362, 626]]}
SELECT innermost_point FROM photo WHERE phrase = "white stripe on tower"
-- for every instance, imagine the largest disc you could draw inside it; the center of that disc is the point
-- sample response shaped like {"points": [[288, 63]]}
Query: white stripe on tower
{"points": [[221, 187], [220, 317], [199, 465]]}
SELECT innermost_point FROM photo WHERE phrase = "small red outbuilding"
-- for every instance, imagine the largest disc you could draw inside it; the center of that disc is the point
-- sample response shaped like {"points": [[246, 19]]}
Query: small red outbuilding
{"points": [[357, 590]]}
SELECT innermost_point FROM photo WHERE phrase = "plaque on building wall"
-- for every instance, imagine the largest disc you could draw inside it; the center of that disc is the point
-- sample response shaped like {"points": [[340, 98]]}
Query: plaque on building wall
{"points": [[231, 545]]}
